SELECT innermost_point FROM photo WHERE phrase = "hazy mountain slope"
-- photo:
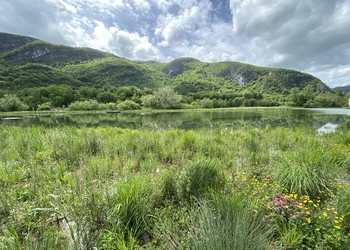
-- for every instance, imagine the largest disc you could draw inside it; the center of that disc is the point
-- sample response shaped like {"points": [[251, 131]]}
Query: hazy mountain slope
{"points": [[343, 89], [17, 49]]}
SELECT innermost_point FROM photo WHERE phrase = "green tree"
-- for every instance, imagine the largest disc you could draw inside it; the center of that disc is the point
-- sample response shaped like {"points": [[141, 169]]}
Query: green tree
{"points": [[163, 98], [12, 103], [128, 105], [129, 92], [206, 103], [106, 97]]}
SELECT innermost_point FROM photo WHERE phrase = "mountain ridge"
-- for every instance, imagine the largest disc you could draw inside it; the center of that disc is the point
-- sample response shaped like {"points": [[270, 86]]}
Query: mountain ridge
{"points": [[27, 62]]}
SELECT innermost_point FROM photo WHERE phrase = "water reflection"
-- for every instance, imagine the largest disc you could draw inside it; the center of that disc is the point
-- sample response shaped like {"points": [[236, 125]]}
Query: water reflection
{"points": [[231, 118], [327, 128]]}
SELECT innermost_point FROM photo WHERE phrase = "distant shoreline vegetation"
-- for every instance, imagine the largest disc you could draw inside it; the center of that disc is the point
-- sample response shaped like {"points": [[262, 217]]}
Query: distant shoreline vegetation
{"points": [[133, 98]]}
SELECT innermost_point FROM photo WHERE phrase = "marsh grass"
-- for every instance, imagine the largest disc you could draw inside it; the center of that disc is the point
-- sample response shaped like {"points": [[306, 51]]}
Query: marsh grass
{"points": [[308, 170], [229, 223], [111, 188]]}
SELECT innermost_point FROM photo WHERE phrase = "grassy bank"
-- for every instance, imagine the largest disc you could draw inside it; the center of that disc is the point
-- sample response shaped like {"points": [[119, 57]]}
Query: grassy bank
{"points": [[110, 188], [138, 111]]}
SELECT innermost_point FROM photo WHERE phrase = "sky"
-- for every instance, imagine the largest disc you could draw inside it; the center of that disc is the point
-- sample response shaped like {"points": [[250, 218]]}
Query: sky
{"points": [[311, 36]]}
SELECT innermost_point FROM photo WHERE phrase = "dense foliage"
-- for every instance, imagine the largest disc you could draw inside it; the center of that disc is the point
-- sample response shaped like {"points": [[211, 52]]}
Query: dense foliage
{"points": [[111, 188]]}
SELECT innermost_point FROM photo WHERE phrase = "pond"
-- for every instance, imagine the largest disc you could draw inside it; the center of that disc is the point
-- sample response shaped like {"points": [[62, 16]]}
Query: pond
{"points": [[192, 119]]}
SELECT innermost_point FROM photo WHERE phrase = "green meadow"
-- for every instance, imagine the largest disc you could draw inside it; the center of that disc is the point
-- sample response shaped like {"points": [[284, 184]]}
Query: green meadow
{"points": [[112, 188]]}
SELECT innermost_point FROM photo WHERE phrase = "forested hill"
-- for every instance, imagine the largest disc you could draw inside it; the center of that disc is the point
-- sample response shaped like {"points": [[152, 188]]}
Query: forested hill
{"points": [[29, 64]]}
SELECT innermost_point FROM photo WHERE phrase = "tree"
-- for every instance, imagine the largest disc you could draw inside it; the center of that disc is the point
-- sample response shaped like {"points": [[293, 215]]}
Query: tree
{"points": [[163, 98], [206, 103], [12, 103], [128, 105], [106, 97], [129, 92]]}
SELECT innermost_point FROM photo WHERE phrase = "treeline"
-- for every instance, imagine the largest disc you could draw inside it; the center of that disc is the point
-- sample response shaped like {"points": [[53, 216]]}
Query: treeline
{"points": [[131, 98]]}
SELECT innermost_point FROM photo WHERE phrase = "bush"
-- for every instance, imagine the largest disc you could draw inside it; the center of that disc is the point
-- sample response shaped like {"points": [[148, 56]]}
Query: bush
{"points": [[91, 105], [84, 105], [163, 98], [44, 106], [12, 103], [128, 105]]}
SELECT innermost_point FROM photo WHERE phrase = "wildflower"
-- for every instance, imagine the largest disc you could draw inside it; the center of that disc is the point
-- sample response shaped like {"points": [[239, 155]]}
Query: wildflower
{"points": [[337, 227], [308, 220], [317, 229], [325, 214]]}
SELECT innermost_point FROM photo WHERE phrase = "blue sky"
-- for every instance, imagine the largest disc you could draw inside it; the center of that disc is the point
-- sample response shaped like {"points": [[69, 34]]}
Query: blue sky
{"points": [[308, 35]]}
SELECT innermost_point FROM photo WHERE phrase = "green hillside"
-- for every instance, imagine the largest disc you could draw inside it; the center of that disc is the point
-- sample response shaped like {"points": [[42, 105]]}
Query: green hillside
{"points": [[29, 65]]}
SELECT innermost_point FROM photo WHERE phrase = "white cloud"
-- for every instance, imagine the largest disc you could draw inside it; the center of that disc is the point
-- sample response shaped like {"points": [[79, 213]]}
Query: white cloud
{"points": [[333, 76], [122, 43], [212, 44], [178, 29], [303, 35], [142, 4]]}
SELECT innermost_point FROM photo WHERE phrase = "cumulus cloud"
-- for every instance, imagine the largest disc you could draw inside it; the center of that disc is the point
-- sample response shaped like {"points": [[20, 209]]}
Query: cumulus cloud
{"points": [[305, 34], [123, 43], [213, 43], [178, 29], [33, 18]]}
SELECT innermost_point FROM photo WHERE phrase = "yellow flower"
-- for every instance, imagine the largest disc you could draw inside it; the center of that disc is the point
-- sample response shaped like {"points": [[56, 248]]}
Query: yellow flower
{"points": [[308, 220], [336, 221], [325, 214], [337, 227], [317, 229]]}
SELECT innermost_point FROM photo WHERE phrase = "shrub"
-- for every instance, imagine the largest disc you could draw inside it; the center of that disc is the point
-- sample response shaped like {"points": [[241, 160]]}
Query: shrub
{"points": [[163, 98], [44, 106], [84, 105], [128, 105], [12, 103]]}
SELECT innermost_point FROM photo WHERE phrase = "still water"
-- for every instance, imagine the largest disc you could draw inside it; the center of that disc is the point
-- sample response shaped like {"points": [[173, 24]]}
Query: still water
{"points": [[228, 118]]}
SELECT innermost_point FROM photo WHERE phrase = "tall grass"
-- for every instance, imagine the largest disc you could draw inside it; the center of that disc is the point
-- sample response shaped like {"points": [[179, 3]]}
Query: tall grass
{"points": [[230, 223], [306, 171], [111, 188]]}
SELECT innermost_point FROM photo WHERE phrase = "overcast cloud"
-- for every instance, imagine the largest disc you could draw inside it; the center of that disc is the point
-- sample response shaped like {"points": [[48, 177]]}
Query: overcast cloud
{"points": [[309, 35]]}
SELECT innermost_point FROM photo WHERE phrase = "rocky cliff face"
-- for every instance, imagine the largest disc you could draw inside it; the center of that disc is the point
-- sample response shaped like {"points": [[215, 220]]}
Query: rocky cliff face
{"points": [[178, 66]]}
